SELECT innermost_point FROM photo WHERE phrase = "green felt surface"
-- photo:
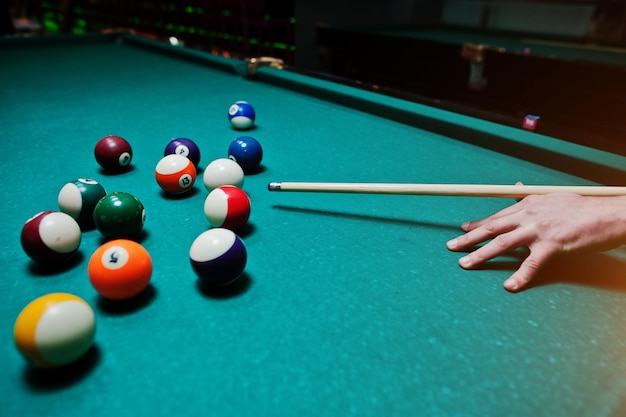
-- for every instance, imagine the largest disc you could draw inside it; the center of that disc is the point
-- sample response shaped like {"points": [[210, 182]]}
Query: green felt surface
{"points": [[513, 44], [350, 304]]}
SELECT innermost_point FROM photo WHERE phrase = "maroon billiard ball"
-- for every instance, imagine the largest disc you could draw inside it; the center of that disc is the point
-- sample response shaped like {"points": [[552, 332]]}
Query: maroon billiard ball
{"points": [[113, 153], [50, 236]]}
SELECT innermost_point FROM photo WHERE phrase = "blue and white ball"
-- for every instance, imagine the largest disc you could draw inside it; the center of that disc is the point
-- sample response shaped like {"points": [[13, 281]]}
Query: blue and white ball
{"points": [[218, 256], [241, 115]]}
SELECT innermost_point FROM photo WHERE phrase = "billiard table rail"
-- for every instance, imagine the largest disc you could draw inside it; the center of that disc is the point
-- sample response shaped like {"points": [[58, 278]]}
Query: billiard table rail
{"points": [[596, 165]]}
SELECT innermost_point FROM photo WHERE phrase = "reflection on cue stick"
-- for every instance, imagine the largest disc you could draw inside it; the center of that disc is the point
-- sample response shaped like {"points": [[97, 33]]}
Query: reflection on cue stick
{"points": [[469, 190]]}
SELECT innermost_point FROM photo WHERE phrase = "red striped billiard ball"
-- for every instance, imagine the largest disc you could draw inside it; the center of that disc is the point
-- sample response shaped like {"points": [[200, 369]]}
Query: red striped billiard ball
{"points": [[175, 174], [227, 206], [218, 256], [50, 236], [120, 269], [113, 153]]}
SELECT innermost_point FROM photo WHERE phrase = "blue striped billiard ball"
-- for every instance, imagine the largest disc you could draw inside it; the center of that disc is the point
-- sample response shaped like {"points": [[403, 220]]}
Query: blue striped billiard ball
{"points": [[218, 256], [241, 115]]}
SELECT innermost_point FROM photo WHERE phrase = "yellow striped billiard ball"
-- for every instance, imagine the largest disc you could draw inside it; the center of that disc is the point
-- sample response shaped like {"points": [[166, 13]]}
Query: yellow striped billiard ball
{"points": [[54, 330]]}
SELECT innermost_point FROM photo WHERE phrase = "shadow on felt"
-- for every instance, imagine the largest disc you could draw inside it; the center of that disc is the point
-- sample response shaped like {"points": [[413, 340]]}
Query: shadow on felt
{"points": [[130, 305], [596, 270], [43, 269], [39, 379], [367, 217], [231, 290]]}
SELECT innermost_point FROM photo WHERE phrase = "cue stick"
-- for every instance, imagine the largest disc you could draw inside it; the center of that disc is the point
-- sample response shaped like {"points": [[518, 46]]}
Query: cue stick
{"points": [[468, 190]]}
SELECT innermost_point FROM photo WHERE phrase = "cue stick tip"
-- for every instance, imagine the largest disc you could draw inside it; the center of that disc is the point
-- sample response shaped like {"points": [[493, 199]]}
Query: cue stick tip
{"points": [[274, 186]]}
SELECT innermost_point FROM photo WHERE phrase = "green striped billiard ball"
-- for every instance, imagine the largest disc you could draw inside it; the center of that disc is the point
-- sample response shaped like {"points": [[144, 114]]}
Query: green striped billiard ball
{"points": [[119, 215], [78, 198]]}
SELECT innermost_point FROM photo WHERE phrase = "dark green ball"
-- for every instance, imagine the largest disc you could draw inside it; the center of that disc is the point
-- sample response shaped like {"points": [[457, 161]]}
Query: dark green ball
{"points": [[119, 215], [78, 198]]}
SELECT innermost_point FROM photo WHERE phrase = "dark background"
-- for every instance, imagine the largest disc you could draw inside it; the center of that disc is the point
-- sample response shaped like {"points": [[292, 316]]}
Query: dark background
{"points": [[578, 101], [287, 28]]}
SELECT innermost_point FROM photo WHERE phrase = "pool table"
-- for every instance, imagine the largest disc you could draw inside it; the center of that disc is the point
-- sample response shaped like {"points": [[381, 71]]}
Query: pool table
{"points": [[350, 304], [577, 88]]}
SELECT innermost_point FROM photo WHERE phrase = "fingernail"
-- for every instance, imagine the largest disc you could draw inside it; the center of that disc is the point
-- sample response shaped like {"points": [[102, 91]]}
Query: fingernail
{"points": [[464, 261], [510, 284], [452, 243], [465, 226]]}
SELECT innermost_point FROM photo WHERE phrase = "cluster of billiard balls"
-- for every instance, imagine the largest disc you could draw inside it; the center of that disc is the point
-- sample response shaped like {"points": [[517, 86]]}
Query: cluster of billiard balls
{"points": [[121, 268]]}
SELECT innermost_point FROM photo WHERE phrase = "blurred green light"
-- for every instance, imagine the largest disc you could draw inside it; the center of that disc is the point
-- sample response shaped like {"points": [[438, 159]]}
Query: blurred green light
{"points": [[50, 25]]}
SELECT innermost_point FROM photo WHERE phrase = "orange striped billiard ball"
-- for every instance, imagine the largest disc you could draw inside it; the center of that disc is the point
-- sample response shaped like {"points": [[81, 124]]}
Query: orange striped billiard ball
{"points": [[120, 269], [175, 174]]}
